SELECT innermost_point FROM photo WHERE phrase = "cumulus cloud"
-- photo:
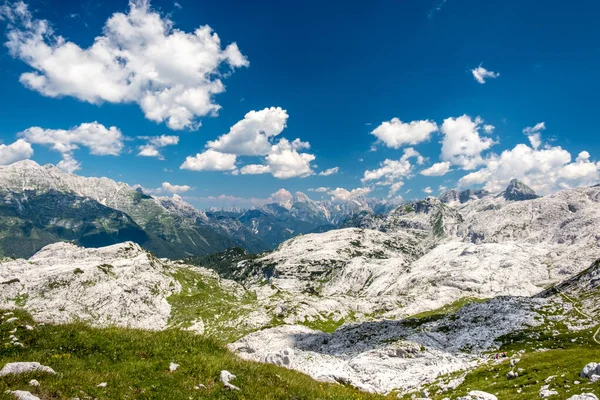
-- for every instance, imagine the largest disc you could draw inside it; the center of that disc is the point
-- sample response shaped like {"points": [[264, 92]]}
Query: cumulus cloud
{"points": [[392, 172], [167, 187], [545, 170], [154, 143], [99, 139], [428, 190], [253, 136], [250, 136], [341, 194], [534, 134], [488, 128], [481, 74], [395, 133], [17, 151], [330, 171], [284, 161], [321, 189], [210, 160], [437, 169], [139, 58], [462, 146]]}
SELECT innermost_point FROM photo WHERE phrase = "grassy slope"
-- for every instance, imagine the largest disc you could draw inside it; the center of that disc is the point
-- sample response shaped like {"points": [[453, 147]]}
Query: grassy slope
{"points": [[135, 364], [202, 298]]}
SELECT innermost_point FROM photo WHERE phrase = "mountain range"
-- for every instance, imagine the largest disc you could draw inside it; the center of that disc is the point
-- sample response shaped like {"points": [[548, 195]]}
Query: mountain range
{"points": [[43, 205], [408, 299]]}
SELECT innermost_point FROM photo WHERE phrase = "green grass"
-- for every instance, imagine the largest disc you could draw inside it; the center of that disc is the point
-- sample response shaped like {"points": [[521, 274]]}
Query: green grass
{"points": [[328, 325], [203, 298], [135, 365]]}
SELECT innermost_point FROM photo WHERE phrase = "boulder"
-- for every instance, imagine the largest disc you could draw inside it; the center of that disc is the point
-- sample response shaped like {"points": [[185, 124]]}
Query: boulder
{"points": [[24, 368], [22, 395], [583, 396], [512, 375], [226, 376], [544, 393], [588, 370], [478, 395], [33, 382]]}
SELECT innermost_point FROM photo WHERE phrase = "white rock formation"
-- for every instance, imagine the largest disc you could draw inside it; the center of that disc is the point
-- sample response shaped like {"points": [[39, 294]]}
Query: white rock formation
{"points": [[583, 396], [589, 370], [24, 368], [114, 285], [22, 395], [478, 395], [380, 356], [226, 377]]}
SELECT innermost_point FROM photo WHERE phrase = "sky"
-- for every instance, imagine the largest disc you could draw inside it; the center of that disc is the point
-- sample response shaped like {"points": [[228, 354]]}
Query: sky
{"points": [[226, 102]]}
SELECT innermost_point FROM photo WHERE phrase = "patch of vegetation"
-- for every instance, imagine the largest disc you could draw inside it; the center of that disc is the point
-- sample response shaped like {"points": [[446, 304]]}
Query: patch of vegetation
{"points": [[135, 365], [78, 271], [328, 325], [20, 299], [203, 298], [106, 268], [439, 313]]}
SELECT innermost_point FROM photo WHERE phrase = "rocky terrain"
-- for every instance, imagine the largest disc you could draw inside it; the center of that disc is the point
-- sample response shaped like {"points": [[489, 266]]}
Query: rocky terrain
{"points": [[409, 302]]}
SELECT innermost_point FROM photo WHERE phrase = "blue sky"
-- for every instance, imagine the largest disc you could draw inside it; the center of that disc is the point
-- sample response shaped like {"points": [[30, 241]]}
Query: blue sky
{"points": [[338, 69]]}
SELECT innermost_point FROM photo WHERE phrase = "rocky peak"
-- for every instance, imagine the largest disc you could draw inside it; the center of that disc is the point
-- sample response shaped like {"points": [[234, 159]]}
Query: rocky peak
{"points": [[462, 196], [518, 191]]}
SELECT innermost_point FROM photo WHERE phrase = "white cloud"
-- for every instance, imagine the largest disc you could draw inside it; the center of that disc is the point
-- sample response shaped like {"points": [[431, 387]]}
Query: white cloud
{"points": [[488, 128], [437, 169], [395, 133], [167, 187], [281, 196], [330, 171], [534, 134], [392, 172], [17, 151], [100, 141], [250, 136], [254, 169], [210, 160], [546, 170], [462, 146], [319, 189], [154, 143], [341, 194], [481, 74], [96, 137], [284, 161], [68, 164], [428, 190], [139, 58]]}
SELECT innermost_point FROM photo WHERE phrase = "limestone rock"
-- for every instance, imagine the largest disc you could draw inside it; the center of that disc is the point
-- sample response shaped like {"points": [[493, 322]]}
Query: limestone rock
{"points": [[24, 368]]}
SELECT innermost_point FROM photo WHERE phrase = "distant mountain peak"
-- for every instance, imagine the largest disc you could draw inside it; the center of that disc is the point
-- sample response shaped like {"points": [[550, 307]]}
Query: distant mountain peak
{"points": [[462, 196], [518, 191]]}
